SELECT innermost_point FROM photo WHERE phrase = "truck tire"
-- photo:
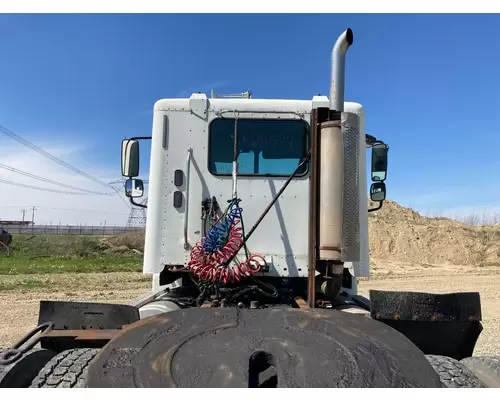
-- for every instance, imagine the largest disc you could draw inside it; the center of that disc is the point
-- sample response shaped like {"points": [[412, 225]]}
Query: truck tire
{"points": [[21, 373], [453, 373], [66, 370], [487, 369]]}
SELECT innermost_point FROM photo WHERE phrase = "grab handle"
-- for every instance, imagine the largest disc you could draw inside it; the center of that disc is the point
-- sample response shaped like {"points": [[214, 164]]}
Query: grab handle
{"points": [[186, 214]]}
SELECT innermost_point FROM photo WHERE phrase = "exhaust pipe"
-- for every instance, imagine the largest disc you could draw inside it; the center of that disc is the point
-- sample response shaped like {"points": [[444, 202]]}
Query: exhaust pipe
{"points": [[331, 176], [337, 83]]}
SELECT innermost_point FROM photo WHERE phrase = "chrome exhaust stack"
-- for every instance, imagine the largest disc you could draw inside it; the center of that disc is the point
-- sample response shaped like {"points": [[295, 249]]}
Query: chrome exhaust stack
{"points": [[337, 81], [331, 174]]}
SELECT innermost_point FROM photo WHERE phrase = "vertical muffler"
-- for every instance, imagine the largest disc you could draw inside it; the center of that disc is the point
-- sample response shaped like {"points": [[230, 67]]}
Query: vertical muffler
{"points": [[331, 173]]}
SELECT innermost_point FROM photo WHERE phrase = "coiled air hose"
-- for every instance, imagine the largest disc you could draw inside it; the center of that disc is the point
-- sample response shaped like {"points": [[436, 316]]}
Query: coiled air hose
{"points": [[211, 258]]}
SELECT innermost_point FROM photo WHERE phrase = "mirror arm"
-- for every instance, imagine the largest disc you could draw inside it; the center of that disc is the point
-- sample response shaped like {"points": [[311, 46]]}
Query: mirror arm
{"points": [[376, 208], [137, 204], [370, 140], [140, 138]]}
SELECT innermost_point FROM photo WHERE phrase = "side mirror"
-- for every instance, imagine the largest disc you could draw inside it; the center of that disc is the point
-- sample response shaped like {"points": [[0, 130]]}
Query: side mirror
{"points": [[130, 158], [134, 188], [377, 191], [379, 162]]}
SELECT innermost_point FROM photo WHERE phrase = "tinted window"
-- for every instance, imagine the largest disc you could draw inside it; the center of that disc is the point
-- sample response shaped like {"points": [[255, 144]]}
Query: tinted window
{"points": [[266, 147]]}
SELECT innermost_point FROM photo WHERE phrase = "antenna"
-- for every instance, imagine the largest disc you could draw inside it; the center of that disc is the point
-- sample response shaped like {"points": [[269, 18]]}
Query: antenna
{"points": [[245, 95]]}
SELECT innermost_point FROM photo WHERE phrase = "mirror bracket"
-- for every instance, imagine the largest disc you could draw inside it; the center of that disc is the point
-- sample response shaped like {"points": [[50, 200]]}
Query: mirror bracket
{"points": [[137, 204], [380, 203], [129, 192]]}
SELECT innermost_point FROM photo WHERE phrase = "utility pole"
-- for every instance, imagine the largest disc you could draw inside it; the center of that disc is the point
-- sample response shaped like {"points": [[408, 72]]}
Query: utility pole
{"points": [[33, 219], [23, 211], [33, 215]]}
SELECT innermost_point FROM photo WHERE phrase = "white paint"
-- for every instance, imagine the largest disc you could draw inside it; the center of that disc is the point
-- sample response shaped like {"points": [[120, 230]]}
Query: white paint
{"points": [[282, 237]]}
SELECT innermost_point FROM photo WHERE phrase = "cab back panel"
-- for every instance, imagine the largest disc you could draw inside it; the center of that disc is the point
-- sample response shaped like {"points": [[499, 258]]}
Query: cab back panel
{"points": [[283, 231], [282, 236]]}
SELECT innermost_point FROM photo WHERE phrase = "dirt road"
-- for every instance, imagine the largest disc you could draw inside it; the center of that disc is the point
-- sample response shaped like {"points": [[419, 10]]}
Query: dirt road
{"points": [[19, 309]]}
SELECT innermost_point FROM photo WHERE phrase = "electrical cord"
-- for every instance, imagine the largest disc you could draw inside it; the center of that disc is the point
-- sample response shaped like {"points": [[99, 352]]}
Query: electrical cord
{"points": [[211, 258], [273, 294]]}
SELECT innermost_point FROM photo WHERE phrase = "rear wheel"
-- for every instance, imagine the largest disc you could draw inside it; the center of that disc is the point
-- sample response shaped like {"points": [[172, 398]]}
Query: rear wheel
{"points": [[20, 373], [487, 369], [69, 369], [454, 374]]}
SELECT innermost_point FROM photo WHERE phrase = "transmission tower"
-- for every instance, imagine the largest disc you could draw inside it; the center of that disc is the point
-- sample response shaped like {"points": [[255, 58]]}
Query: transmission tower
{"points": [[137, 216]]}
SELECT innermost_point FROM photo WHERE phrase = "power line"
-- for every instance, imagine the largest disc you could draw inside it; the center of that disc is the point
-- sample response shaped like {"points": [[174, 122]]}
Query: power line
{"points": [[121, 198], [54, 190], [122, 187], [122, 181], [18, 171], [41, 188], [41, 151]]}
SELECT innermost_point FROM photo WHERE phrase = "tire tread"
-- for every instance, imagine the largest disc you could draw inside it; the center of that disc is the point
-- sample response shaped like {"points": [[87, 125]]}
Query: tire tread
{"points": [[68, 369], [453, 373]]}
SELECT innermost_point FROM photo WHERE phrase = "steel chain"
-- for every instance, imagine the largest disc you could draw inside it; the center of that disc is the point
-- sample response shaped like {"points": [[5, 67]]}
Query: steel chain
{"points": [[13, 354]]}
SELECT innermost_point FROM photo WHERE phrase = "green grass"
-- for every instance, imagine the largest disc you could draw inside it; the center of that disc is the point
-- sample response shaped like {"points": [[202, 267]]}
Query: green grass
{"points": [[65, 246], [54, 265], [52, 254], [26, 284]]}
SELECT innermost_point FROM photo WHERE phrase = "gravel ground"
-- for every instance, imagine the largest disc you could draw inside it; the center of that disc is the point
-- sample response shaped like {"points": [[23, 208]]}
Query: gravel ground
{"points": [[487, 284], [20, 308]]}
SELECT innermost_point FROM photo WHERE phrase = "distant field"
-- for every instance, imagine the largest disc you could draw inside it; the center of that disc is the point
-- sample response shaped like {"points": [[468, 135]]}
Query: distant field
{"points": [[52, 254]]}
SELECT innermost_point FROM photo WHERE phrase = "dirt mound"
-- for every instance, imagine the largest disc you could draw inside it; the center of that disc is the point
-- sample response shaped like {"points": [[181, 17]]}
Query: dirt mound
{"points": [[401, 234]]}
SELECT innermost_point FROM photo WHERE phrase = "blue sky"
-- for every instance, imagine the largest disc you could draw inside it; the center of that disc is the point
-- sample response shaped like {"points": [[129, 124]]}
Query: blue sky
{"points": [[429, 84]]}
